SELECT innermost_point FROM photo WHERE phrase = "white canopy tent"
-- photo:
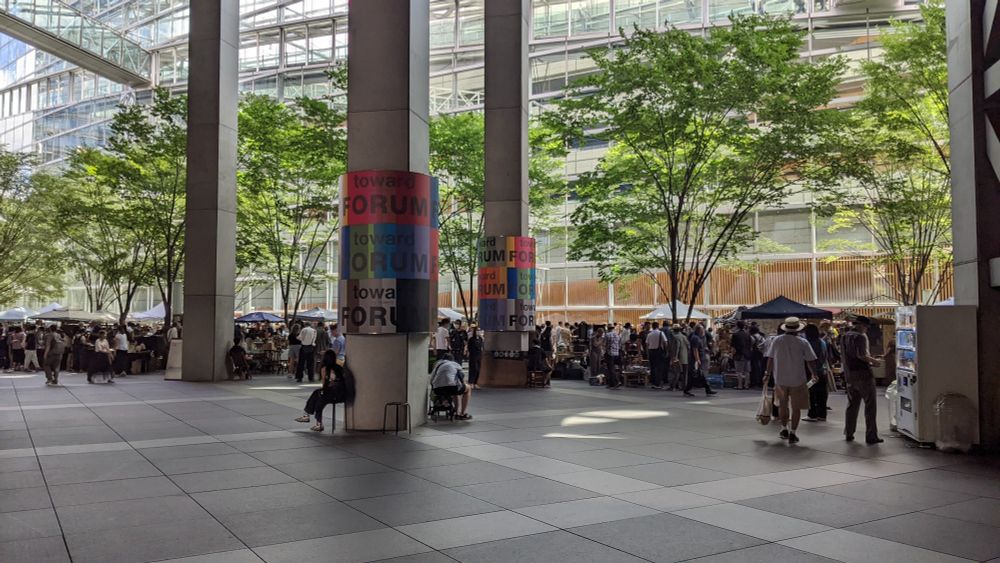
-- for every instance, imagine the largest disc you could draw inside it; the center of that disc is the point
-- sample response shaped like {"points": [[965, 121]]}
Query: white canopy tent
{"points": [[49, 308], [664, 312], [16, 314], [450, 314], [156, 313], [103, 317]]}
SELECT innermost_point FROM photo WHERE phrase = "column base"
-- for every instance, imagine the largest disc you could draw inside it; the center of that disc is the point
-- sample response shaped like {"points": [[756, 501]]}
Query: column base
{"points": [[387, 368]]}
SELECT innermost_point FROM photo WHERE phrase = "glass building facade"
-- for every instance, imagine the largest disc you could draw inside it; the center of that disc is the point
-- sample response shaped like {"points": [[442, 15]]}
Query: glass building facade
{"points": [[49, 106]]}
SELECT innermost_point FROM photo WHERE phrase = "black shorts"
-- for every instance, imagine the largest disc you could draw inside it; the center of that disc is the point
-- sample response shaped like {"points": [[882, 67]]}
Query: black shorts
{"points": [[450, 391]]}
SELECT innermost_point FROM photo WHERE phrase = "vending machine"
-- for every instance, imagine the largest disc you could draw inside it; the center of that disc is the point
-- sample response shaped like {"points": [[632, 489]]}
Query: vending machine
{"points": [[936, 354]]}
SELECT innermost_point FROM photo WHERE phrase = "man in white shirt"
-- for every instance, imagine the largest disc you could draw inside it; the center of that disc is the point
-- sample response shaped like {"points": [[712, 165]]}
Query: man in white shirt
{"points": [[441, 339], [121, 352], [788, 359], [307, 353], [656, 344]]}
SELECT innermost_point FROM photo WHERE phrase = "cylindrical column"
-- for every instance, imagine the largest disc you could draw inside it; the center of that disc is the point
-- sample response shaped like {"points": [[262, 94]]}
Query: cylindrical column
{"points": [[210, 229], [387, 241], [507, 321]]}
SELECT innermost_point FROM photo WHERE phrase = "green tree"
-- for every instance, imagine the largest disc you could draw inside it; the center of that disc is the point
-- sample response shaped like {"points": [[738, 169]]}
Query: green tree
{"points": [[458, 160], [29, 256], [148, 172], [891, 173], [290, 157], [703, 130], [97, 232]]}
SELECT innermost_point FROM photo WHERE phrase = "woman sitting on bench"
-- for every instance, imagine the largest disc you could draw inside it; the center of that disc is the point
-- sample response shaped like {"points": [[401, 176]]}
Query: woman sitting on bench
{"points": [[447, 380], [333, 389]]}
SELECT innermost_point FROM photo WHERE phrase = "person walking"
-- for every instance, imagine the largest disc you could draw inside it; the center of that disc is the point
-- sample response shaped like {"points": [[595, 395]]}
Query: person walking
{"points": [[17, 340], [818, 392], [700, 362], [120, 339], [31, 340], [457, 340], [858, 363], [294, 347], [307, 354], [656, 346], [596, 353], [55, 345], [612, 354], [790, 360], [757, 359], [101, 359], [338, 343], [742, 346], [475, 346], [680, 356]]}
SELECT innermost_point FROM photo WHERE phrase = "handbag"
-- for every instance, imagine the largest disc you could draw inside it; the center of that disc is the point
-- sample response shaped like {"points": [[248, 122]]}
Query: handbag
{"points": [[764, 410]]}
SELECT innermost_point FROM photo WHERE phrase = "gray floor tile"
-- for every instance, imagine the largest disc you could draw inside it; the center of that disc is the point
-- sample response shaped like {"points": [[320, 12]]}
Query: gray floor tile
{"points": [[468, 530], [268, 444], [34, 498], [236, 556], [810, 478], [946, 535], [373, 485], [770, 553], [65, 436], [752, 522], [665, 537], [419, 458], [604, 459], [177, 466], [153, 542], [21, 480], [541, 466], [37, 550], [106, 491], [422, 506], [489, 452], [18, 464], [850, 547], [671, 451], [953, 481], [823, 508], [526, 492], [586, 511], [230, 479], [738, 488], [667, 500], [981, 510], [284, 525], [127, 513], [873, 468], [547, 547], [604, 482], [28, 524], [187, 451], [347, 548], [468, 474], [328, 469], [741, 464], [429, 557], [301, 455], [890, 492], [253, 499], [98, 466], [671, 474]]}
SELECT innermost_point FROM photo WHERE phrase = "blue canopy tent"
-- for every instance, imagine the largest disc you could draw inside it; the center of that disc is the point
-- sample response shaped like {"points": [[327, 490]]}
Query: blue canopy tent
{"points": [[782, 307], [260, 317]]}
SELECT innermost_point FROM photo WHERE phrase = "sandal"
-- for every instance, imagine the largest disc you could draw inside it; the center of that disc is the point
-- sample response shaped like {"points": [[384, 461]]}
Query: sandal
{"points": [[317, 428], [303, 418], [465, 416]]}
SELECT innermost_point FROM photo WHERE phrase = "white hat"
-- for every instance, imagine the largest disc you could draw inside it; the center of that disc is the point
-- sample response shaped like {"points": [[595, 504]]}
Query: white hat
{"points": [[793, 324]]}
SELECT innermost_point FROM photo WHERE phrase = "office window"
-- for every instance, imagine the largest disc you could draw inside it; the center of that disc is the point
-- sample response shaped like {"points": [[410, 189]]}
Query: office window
{"points": [[550, 18], [591, 16], [631, 13]]}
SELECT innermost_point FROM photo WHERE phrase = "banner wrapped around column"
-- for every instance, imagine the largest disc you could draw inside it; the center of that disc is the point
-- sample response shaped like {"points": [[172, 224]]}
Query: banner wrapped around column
{"points": [[388, 252], [507, 284]]}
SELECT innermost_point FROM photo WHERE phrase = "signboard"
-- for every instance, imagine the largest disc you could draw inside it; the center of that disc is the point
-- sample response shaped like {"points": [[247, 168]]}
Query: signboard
{"points": [[388, 252], [507, 284]]}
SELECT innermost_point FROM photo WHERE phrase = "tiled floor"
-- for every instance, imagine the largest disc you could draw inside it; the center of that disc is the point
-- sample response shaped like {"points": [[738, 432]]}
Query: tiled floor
{"points": [[150, 470]]}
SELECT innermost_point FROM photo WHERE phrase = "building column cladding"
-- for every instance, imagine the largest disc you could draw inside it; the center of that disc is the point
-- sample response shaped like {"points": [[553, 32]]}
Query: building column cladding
{"points": [[387, 115], [210, 231], [974, 112], [507, 74]]}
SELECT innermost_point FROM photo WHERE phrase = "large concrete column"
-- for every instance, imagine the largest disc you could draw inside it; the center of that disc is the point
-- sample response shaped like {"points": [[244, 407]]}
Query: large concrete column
{"points": [[507, 75], [974, 84], [210, 244], [387, 116]]}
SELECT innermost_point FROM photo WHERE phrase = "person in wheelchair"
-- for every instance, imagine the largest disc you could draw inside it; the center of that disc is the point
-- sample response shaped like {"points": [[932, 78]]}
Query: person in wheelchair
{"points": [[448, 380]]}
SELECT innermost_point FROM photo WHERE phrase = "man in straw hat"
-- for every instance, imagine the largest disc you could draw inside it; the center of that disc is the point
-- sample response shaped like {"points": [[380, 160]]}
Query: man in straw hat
{"points": [[788, 360], [860, 381]]}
